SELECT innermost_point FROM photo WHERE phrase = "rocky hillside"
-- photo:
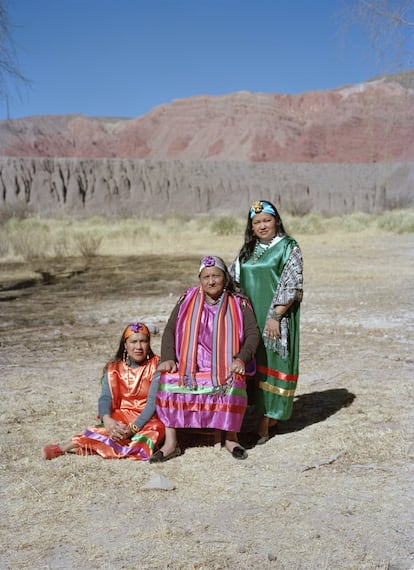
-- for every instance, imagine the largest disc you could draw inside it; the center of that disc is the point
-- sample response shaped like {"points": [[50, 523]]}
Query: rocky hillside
{"points": [[364, 123], [330, 151]]}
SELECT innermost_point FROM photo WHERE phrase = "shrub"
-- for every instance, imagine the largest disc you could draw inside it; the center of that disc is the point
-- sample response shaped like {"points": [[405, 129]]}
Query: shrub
{"points": [[88, 244], [225, 226], [29, 239], [29, 245], [308, 224], [397, 221]]}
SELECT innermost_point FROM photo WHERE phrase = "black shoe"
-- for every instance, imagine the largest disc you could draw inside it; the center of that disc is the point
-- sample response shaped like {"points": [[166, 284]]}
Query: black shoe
{"points": [[159, 456]]}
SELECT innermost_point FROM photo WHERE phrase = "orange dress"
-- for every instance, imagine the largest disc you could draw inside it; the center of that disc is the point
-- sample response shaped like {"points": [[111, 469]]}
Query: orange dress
{"points": [[129, 388]]}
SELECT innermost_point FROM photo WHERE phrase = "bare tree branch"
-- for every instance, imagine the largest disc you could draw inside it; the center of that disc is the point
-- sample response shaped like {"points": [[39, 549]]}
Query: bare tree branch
{"points": [[9, 64], [390, 27], [375, 9]]}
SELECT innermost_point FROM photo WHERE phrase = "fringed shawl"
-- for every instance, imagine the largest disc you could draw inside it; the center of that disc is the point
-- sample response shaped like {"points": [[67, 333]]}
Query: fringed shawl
{"points": [[227, 336]]}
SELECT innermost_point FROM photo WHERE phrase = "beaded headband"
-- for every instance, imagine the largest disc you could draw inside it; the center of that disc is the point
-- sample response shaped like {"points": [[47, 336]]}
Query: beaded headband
{"points": [[261, 207], [212, 261], [136, 328]]}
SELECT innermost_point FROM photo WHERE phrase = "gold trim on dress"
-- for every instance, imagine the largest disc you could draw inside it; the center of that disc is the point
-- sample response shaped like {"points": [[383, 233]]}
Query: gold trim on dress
{"points": [[276, 390]]}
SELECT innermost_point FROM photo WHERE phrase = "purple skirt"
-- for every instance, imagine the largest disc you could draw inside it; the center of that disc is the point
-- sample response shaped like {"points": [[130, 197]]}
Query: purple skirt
{"points": [[201, 406]]}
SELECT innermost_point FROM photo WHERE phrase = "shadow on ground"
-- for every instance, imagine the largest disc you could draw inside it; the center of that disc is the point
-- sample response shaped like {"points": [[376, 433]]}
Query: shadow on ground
{"points": [[308, 409], [316, 407]]}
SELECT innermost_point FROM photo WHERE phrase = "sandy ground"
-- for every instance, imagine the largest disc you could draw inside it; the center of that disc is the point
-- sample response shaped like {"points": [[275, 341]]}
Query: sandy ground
{"points": [[332, 489]]}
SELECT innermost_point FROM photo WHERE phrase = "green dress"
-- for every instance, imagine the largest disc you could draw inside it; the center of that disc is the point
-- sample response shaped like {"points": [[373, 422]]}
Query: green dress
{"points": [[275, 275]]}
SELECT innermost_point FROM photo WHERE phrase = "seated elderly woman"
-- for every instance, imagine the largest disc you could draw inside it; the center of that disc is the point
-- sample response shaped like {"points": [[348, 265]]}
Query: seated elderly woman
{"points": [[210, 338], [126, 405]]}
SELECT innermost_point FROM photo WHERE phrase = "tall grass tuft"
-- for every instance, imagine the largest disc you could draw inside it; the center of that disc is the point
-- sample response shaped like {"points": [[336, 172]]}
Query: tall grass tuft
{"points": [[225, 226], [308, 224], [397, 221], [29, 239]]}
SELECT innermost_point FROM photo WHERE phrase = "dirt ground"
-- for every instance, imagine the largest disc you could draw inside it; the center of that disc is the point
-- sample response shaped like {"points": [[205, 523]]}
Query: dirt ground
{"points": [[333, 487]]}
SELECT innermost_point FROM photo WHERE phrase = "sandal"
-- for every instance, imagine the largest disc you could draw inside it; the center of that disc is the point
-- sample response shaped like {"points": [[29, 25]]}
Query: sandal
{"points": [[159, 456], [52, 451]]}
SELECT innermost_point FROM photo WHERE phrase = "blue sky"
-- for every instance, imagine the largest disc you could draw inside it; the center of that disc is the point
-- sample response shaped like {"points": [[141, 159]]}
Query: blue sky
{"points": [[122, 58]]}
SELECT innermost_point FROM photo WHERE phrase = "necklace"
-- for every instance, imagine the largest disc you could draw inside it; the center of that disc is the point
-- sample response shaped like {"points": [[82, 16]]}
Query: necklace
{"points": [[132, 377], [258, 251], [262, 246]]}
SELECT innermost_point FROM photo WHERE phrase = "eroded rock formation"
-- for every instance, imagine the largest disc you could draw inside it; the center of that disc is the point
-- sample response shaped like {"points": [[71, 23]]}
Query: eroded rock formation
{"points": [[143, 187], [334, 151]]}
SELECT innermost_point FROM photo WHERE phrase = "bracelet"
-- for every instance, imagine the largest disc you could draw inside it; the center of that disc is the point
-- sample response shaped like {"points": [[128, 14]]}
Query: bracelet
{"points": [[134, 428], [276, 316]]}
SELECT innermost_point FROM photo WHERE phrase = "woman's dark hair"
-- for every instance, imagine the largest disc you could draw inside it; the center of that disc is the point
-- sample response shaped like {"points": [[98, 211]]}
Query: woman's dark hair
{"points": [[250, 239], [229, 284]]}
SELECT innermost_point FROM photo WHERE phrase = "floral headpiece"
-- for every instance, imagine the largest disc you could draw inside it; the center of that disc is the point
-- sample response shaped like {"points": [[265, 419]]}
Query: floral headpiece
{"points": [[212, 261], [136, 328], [259, 207]]}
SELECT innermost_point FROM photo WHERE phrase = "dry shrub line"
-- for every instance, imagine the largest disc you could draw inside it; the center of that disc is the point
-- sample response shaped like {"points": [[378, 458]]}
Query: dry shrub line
{"points": [[34, 239], [51, 256]]}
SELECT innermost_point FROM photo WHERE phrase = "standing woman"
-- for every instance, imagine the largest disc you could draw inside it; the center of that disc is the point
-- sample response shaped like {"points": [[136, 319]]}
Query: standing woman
{"points": [[130, 427], [268, 270]]}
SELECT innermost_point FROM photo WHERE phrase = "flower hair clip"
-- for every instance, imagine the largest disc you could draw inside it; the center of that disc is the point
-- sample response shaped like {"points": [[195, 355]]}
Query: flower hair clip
{"points": [[208, 261], [136, 327], [212, 261]]}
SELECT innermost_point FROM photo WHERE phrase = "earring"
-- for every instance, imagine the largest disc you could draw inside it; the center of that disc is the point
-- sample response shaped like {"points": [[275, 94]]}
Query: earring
{"points": [[125, 358]]}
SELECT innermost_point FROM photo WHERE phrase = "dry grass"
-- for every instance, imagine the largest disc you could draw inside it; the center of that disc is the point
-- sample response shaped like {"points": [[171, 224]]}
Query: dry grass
{"points": [[35, 238], [290, 505]]}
